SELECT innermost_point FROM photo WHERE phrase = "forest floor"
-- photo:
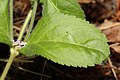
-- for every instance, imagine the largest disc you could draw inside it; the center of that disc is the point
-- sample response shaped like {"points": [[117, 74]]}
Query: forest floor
{"points": [[104, 14]]}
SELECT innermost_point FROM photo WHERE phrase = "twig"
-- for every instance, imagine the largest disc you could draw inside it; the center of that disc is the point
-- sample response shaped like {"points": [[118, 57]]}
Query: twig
{"points": [[17, 28], [113, 71], [66, 75], [17, 60], [26, 70], [109, 26], [43, 68]]}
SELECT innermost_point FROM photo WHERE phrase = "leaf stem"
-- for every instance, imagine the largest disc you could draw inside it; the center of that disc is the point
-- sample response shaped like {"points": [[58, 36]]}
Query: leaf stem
{"points": [[13, 54], [25, 25], [11, 18], [32, 20]]}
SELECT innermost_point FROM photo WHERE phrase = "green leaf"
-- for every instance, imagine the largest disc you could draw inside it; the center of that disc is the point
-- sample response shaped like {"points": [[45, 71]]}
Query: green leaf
{"points": [[4, 23], [70, 7], [67, 40]]}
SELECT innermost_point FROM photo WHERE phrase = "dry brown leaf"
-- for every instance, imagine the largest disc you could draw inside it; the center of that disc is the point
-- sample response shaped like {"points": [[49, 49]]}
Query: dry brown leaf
{"points": [[86, 1], [115, 47], [113, 34], [111, 30], [107, 24]]}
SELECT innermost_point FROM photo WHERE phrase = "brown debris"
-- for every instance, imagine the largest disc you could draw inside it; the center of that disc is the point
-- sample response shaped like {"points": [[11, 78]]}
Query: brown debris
{"points": [[113, 34], [86, 1], [118, 10], [111, 30], [21, 7], [100, 10], [115, 47]]}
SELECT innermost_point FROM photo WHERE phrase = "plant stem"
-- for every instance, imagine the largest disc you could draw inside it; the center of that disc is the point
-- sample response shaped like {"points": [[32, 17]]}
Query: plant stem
{"points": [[13, 54], [25, 25], [11, 18], [32, 20]]}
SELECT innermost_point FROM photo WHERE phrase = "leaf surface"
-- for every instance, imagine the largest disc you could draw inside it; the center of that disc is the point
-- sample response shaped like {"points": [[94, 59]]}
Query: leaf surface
{"points": [[4, 23], [67, 40], [70, 7]]}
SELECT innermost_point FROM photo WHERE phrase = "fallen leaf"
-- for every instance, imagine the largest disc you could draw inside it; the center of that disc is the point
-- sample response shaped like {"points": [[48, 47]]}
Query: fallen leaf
{"points": [[86, 1], [113, 34], [108, 24], [115, 47], [111, 30]]}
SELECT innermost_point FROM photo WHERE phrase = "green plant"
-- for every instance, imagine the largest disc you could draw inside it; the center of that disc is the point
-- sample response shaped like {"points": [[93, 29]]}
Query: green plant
{"points": [[61, 35]]}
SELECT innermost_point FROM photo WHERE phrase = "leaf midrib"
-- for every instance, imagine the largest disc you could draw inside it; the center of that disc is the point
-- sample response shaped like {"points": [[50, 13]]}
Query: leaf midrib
{"points": [[75, 44]]}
